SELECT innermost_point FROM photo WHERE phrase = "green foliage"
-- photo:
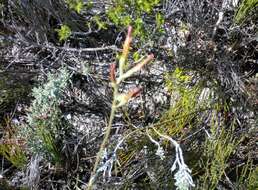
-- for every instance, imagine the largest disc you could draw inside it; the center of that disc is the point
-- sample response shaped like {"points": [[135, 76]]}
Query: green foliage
{"points": [[159, 20], [253, 179], [134, 12], [244, 10], [76, 5], [64, 32], [184, 101], [247, 176], [100, 24], [136, 56], [11, 146], [44, 119], [217, 149], [13, 153]]}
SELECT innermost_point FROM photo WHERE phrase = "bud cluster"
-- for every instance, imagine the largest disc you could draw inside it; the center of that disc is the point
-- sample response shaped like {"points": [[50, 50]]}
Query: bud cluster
{"points": [[122, 99]]}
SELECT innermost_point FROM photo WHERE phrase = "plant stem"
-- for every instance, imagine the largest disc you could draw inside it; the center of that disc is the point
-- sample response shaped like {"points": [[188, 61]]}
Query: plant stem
{"points": [[105, 140]]}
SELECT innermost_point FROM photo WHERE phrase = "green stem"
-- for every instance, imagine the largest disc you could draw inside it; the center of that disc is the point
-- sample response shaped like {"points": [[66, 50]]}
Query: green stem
{"points": [[105, 140]]}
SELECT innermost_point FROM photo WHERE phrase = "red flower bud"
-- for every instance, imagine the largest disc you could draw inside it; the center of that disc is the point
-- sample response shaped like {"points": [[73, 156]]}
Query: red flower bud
{"points": [[148, 59], [123, 99], [134, 92]]}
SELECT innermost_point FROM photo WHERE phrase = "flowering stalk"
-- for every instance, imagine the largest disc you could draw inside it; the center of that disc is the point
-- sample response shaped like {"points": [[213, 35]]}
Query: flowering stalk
{"points": [[118, 99]]}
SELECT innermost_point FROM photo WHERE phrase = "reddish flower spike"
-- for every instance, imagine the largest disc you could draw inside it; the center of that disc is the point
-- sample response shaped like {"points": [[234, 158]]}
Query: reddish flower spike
{"points": [[129, 31], [112, 72], [127, 43]]}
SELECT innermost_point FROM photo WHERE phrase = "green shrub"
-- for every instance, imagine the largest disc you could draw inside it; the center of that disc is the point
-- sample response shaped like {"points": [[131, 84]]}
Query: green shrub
{"points": [[136, 13], [244, 10], [64, 32], [76, 5], [217, 150], [184, 101], [44, 118]]}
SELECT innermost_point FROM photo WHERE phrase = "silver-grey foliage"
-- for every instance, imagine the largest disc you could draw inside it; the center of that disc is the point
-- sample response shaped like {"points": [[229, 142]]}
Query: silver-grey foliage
{"points": [[44, 117]]}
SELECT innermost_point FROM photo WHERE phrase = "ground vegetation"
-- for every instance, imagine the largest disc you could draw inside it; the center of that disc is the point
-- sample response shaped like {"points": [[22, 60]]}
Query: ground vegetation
{"points": [[129, 94]]}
